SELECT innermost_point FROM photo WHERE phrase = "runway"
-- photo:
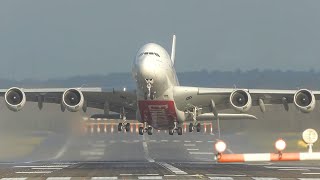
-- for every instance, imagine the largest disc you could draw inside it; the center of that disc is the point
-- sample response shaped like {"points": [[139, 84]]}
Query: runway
{"points": [[120, 155]]}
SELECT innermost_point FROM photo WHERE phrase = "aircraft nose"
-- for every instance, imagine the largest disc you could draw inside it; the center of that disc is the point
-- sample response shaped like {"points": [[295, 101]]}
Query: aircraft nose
{"points": [[147, 68]]}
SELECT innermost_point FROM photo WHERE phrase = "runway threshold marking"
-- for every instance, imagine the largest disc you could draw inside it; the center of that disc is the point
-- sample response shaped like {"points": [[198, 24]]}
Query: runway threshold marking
{"points": [[311, 174], [224, 175], [23, 178], [104, 178], [47, 168], [265, 178], [50, 166], [34, 172], [171, 168], [192, 149]]}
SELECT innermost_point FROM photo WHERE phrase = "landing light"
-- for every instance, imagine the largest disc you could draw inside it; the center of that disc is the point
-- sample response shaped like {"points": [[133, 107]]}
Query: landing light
{"points": [[220, 146], [280, 145]]}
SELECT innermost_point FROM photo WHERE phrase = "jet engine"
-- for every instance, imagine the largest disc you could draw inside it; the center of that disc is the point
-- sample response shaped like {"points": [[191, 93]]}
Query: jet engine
{"points": [[15, 99], [72, 100], [304, 100], [240, 100]]}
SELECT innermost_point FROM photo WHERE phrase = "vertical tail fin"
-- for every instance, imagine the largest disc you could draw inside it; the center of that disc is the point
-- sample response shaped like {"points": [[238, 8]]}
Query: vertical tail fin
{"points": [[173, 50]]}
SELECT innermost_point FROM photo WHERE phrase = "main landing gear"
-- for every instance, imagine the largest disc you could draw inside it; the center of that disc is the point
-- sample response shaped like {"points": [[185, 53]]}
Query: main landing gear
{"points": [[123, 126], [146, 128], [175, 129], [192, 127]]}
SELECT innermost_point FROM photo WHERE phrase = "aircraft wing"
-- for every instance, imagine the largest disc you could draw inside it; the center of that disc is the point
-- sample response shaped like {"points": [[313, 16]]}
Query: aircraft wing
{"points": [[108, 99], [222, 98]]}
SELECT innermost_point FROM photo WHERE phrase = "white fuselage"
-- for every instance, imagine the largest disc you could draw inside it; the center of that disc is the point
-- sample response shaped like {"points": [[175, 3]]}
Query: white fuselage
{"points": [[153, 66]]}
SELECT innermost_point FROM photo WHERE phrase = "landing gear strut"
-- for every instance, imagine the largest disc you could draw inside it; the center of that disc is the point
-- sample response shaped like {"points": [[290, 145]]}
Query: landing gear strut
{"points": [[192, 127], [175, 129], [148, 129], [123, 126], [149, 95]]}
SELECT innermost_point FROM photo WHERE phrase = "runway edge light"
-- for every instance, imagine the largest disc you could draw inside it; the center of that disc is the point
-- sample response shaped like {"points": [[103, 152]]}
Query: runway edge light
{"points": [[220, 146], [280, 145]]}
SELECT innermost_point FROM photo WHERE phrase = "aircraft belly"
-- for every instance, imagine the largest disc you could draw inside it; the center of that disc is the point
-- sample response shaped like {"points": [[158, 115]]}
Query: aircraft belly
{"points": [[160, 114]]}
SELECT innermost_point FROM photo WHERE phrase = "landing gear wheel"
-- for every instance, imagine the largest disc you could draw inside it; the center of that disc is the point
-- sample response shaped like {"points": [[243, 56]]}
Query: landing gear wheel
{"points": [[190, 127], [120, 127], [171, 131], [127, 127], [198, 127], [179, 130], [149, 130], [141, 130]]}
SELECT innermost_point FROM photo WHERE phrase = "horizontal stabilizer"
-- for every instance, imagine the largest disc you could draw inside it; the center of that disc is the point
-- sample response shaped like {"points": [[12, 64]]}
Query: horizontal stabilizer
{"points": [[210, 116]]}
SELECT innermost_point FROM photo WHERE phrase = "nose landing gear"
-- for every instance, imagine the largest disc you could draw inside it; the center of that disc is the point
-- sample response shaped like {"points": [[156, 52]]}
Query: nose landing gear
{"points": [[175, 129]]}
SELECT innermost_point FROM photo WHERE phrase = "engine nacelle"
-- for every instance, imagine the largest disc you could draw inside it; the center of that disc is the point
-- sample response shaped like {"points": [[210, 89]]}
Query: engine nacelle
{"points": [[304, 100], [240, 100], [15, 99], [72, 100]]}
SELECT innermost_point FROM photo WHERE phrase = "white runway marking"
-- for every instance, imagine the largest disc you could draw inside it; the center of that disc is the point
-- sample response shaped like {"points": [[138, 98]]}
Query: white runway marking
{"points": [[164, 140], [202, 153], [58, 178], [176, 141], [172, 168], [288, 167], [136, 141], [192, 149], [211, 141], [294, 169], [221, 178], [233, 175], [311, 174], [146, 150], [50, 166], [33, 172], [187, 141], [13, 178], [150, 177], [199, 141], [265, 178], [309, 178], [104, 178], [189, 145], [46, 168]]}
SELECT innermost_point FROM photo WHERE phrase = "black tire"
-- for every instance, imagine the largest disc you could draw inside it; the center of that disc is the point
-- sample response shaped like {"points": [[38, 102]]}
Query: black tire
{"points": [[170, 131], [190, 127], [149, 130], [141, 130], [179, 130], [128, 127], [120, 127], [198, 127]]}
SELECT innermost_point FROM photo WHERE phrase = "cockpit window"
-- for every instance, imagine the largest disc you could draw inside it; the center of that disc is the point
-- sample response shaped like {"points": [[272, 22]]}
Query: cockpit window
{"points": [[149, 53]]}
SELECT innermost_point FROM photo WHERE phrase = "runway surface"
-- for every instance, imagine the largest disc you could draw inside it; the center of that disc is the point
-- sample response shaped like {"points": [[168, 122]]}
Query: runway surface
{"points": [[101, 154]]}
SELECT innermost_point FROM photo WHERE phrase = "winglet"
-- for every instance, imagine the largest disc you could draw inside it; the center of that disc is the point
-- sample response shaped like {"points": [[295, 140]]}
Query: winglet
{"points": [[173, 50]]}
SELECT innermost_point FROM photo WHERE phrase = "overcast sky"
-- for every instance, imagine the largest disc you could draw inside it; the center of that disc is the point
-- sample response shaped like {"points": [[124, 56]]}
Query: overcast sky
{"points": [[60, 38]]}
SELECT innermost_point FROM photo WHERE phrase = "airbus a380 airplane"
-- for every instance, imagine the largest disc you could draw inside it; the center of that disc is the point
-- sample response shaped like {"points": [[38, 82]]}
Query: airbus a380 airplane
{"points": [[159, 101]]}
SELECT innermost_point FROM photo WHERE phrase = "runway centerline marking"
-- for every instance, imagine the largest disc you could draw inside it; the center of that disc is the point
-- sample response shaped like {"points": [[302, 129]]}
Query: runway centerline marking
{"points": [[47, 168], [293, 169], [14, 178], [104, 178], [265, 178], [309, 173], [50, 166], [146, 150], [233, 175], [192, 149]]}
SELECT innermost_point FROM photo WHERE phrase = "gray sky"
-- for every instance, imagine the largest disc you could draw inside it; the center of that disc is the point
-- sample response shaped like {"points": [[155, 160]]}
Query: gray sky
{"points": [[60, 38]]}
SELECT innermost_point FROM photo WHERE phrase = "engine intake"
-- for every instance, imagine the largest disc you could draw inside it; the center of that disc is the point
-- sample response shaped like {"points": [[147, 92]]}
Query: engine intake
{"points": [[304, 100], [240, 100], [15, 99], [72, 100]]}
